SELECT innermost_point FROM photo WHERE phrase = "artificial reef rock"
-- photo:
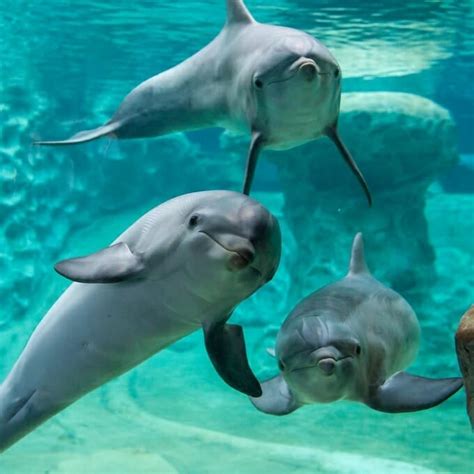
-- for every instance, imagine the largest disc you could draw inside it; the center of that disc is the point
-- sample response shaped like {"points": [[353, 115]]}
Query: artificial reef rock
{"points": [[465, 351]]}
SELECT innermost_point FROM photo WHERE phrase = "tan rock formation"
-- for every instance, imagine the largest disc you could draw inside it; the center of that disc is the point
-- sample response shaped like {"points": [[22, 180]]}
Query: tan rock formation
{"points": [[465, 351]]}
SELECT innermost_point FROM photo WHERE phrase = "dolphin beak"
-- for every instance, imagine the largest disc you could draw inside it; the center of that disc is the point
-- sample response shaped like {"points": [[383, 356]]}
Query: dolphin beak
{"points": [[308, 70], [327, 366], [242, 250], [242, 258]]}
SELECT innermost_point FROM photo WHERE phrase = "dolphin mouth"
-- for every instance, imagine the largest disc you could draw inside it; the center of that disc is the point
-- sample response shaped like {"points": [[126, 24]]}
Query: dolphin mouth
{"points": [[312, 365], [298, 66], [245, 259]]}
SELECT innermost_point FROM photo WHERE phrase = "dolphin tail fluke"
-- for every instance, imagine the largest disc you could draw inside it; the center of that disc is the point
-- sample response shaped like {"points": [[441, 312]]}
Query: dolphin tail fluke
{"points": [[84, 136], [333, 134]]}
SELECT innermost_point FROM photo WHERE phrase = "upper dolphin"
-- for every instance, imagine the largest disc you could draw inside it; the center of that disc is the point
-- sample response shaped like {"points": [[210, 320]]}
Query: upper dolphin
{"points": [[183, 266], [351, 340], [279, 84]]}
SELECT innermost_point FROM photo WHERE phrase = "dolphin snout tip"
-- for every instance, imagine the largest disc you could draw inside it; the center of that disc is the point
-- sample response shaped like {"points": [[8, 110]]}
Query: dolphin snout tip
{"points": [[242, 258], [309, 70], [327, 366]]}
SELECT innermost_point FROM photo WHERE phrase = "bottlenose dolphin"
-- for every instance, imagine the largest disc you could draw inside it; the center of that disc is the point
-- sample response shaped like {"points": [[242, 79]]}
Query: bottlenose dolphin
{"points": [[280, 84], [351, 340], [184, 265]]}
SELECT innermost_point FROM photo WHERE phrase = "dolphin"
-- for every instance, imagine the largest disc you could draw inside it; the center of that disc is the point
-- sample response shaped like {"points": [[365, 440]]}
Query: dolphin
{"points": [[279, 84], [351, 340], [183, 266]]}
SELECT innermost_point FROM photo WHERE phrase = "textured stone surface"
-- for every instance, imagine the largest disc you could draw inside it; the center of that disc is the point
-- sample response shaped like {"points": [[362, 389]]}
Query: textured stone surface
{"points": [[465, 351]]}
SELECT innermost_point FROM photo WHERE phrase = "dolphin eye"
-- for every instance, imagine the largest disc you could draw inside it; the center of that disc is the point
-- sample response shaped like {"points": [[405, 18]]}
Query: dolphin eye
{"points": [[258, 83], [193, 220], [337, 72], [358, 349], [281, 366]]}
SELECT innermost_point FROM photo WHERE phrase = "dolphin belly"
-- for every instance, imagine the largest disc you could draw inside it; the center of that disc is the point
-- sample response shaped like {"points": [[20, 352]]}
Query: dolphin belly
{"points": [[81, 343]]}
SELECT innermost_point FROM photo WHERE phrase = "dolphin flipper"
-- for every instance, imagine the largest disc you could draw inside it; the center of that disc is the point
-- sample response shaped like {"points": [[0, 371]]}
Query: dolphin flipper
{"points": [[225, 345], [276, 399], [110, 265], [256, 146], [333, 134], [404, 392], [84, 136]]}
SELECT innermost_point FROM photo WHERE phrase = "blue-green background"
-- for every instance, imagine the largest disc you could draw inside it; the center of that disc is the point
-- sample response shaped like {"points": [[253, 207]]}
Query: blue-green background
{"points": [[66, 65]]}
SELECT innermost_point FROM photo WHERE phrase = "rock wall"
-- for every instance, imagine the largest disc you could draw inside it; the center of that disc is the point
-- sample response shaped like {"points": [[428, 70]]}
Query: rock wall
{"points": [[465, 352]]}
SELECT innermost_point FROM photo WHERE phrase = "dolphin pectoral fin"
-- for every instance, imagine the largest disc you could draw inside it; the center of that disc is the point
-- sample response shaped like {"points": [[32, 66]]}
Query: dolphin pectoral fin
{"points": [[333, 134], [110, 265], [84, 136], [255, 147], [225, 345], [276, 399], [404, 392]]}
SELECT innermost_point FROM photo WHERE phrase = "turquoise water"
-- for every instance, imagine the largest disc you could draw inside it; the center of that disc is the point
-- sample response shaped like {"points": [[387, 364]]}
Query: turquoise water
{"points": [[407, 116]]}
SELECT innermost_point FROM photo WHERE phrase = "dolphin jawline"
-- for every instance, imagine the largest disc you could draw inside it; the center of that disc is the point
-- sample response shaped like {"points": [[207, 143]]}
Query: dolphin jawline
{"points": [[240, 254], [315, 364]]}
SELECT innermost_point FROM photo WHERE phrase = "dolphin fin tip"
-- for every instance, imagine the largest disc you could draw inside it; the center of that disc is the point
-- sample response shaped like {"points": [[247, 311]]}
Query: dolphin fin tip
{"points": [[237, 12], [358, 264], [82, 137]]}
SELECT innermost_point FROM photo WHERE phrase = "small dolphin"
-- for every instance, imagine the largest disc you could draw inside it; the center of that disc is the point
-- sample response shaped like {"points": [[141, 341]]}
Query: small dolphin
{"points": [[351, 340], [280, 84], [184, 265]]}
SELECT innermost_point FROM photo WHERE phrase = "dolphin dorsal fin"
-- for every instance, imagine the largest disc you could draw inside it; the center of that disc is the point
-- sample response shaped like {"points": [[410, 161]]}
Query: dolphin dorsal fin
{"points": [[358, 265], [237, 12]]}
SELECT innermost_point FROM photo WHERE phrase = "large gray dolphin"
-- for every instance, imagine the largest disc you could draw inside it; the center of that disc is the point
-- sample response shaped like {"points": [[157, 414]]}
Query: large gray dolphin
{"points": [[280, 84], [184, 265], [351, 340]]}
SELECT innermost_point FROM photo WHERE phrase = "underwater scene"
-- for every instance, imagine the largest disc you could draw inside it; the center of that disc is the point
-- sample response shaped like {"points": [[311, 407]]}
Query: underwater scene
{"points": [[133, 366]]}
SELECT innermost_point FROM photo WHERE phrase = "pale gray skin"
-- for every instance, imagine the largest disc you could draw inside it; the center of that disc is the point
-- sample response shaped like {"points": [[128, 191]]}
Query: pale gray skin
{"points": [[184, 265], [280, 84], [351, 340]]}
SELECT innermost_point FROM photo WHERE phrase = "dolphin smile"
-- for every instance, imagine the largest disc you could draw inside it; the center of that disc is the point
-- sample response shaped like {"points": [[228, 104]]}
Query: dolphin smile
{"points": [[245, 256], [315, 364], [305, 66]]}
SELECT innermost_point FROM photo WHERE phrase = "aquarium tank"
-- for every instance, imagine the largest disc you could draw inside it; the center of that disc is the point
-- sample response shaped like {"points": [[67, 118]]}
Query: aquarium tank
{"points": [[407, 115]]}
